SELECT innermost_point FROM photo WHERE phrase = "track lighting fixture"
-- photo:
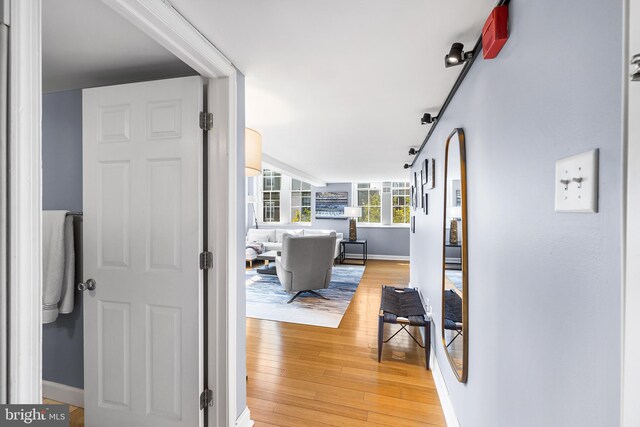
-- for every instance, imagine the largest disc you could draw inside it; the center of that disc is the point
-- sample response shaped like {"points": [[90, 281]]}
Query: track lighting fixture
{"points": [[412, 151], [428, 118], [406, 166], [456, 56]]}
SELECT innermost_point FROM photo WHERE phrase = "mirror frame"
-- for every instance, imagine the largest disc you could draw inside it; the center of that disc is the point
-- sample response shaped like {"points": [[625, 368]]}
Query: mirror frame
{"points": [[464, 248]]}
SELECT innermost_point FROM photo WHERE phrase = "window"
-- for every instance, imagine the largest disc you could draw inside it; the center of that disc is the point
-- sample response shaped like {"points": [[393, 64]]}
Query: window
{"points": [[384, 203], [283, 199], [271, 184], [369, 200], [400, 203], [300, 201]]}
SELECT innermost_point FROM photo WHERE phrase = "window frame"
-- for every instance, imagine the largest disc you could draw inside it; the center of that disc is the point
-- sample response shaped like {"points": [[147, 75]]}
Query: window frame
{"points": [[285, 193], [301, 206], [356, 200], [262, 191], [404, 186], [386, 203]]}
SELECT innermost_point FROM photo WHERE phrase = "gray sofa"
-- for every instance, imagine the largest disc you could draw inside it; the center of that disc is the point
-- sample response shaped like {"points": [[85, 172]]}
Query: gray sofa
{"points": [[306, 263]]}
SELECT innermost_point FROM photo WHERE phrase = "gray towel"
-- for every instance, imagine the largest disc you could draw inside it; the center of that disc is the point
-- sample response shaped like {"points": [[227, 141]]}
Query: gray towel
{"points": [[58, 265]]}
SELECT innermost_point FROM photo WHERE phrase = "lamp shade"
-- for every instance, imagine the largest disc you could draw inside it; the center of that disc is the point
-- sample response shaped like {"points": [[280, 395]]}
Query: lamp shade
{"points": [[352, 212], [252, 152], [454, 212]]}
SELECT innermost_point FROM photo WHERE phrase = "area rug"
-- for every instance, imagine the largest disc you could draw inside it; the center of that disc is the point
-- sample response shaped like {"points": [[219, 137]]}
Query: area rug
{"points": [[455, 276], [267, 300]]}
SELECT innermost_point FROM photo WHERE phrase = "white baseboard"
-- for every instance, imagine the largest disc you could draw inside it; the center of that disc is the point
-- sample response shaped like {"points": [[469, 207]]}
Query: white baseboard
{"points": [[244, 420], [63, 393], [380, 257], [441, 386], [443, 392]]}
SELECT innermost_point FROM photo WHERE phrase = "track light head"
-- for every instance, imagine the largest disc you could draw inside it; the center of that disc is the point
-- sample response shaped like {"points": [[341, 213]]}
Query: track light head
{"points": [[406, 166], [428, 118], [412, 151], [456, 56]]}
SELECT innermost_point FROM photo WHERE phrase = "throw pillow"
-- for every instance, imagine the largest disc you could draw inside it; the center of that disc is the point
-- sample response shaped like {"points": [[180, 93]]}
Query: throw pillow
{"points": [[281, 233], [261, 238]]}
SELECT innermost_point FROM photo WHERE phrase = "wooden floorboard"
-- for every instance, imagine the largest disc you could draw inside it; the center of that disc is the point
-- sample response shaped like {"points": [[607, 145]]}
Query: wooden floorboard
{"points": [[300, 375], [306, 376], [76, 415]]}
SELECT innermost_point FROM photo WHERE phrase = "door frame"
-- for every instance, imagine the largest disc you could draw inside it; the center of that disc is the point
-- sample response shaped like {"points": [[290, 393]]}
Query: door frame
{"points": [[164, 24], [630, 310]]}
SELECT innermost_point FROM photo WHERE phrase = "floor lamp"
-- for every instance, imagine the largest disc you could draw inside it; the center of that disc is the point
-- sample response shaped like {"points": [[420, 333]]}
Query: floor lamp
{"points": [[252, 201]]}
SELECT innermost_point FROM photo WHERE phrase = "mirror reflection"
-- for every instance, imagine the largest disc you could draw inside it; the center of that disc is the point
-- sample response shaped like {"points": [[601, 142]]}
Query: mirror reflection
{"points": [[454, 286]]}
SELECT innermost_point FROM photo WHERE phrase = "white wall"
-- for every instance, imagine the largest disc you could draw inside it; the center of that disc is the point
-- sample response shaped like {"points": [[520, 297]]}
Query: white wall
{"points": [[544, 288]]}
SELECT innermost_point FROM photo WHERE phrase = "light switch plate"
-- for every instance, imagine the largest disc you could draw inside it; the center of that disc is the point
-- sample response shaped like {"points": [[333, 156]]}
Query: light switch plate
{"points": [[577, 183]]}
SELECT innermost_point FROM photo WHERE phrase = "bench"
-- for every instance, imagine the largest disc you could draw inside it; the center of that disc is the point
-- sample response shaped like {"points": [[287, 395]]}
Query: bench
{"points": [[403, 306]]}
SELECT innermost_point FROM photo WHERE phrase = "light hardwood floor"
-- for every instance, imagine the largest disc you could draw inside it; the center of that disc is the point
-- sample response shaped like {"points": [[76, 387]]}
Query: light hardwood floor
{"points": [[305, 376], [301, 375], [76, 415]]}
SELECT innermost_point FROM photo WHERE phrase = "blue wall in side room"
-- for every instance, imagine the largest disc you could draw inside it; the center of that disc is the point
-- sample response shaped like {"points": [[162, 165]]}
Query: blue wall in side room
{"points": [[544, 287], [62, 343]]}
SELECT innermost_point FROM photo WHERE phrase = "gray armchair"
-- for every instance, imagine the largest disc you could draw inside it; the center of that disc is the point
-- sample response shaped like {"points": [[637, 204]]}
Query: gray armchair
{"points": [[306, 263]]}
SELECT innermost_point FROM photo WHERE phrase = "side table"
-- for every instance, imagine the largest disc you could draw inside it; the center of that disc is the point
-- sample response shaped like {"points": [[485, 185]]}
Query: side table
{"points": [[343, 250]]}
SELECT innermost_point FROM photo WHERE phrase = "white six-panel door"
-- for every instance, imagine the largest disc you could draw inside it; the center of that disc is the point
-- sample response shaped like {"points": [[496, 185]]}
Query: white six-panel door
{"points": [[142, 198]]}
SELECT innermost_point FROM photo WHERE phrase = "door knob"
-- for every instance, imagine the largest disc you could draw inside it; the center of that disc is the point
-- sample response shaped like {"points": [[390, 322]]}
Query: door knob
{"points": [[89, 285]]}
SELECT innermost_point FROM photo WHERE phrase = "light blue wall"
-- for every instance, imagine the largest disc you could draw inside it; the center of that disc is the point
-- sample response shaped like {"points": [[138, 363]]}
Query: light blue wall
{"points": [[544, 287], [387, 241], [62, 343]]}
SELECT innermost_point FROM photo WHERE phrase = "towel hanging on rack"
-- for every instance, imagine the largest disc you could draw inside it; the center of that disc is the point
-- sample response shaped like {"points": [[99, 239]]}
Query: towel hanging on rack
{"points": [[58, 265]]}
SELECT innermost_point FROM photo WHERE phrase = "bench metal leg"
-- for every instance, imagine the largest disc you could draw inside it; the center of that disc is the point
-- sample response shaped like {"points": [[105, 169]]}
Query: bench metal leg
{"points": [[427, 343], [380, 335]]}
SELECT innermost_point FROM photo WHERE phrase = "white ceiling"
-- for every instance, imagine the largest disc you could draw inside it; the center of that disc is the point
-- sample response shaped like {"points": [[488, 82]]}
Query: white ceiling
{"points": [[337, 87], [85, 43]]}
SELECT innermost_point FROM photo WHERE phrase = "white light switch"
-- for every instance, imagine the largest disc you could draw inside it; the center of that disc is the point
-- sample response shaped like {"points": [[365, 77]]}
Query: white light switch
{"points": [[577, 183]]}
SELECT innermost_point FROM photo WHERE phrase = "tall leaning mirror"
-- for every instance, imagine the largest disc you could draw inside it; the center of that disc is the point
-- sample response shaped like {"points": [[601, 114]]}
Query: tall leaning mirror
{"points": [[455, 284]]}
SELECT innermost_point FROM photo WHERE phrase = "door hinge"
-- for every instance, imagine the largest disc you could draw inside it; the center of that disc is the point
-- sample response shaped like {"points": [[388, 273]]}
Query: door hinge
{"points": [[206, 121], [206, 260], [206, 399]]}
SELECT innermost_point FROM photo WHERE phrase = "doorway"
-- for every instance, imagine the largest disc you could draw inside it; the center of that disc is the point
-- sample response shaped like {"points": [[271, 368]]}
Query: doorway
{"points": [[162, 23], [95, 188]]}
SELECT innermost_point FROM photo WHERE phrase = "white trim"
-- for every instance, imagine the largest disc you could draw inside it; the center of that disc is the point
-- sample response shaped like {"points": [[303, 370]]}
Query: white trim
{"points": [[290, 171], [222, 234], [244, 420], [443, 392], [233, 262], [441, 386], [165, 25], [284, 224], [380, 257], [63, 393], [376, 225], [630, 315], [25, 266]]}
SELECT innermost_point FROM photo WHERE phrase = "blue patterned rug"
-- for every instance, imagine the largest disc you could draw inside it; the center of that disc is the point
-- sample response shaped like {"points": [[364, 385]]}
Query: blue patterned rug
{"points": [[455, 276], [267, 300]]}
